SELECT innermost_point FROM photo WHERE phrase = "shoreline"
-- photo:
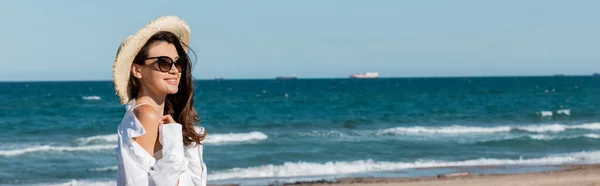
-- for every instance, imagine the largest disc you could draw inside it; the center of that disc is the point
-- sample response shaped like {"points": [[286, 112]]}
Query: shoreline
{"points": [[581, 174]]}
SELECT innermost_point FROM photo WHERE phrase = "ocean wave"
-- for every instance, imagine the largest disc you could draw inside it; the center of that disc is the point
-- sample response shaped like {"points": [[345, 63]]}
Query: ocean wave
{"points": [[45, 148], [595, 136], [454, 129], [564, 112], [211, 139], [292, 169], [104, 142], [84, 183], [546, 113], [103, 169], [547, 137], [536, 137], [108, 138], [91, 97], [235, 137], [522, 139], [540, 137], [558, 127], [459, 129], [587, 126], [319, 133], [543, 128]]}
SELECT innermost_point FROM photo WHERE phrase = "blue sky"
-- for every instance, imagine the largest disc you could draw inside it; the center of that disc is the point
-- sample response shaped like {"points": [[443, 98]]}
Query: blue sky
{"points": [[77, 40]]}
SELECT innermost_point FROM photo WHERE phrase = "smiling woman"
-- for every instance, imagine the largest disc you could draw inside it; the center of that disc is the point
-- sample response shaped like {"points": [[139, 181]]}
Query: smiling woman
{"points": [[158, 144]]}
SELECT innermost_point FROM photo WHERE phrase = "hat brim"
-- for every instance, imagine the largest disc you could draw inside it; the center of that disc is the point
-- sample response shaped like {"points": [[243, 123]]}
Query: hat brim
{"points": [[134, 43]]}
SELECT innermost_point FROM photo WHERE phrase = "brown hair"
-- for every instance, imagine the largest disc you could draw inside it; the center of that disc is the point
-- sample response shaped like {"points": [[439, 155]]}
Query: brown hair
{"points": [[181, 104]]}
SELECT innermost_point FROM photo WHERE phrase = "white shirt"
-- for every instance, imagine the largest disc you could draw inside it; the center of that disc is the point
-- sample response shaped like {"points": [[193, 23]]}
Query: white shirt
{"points": [[178, 163]]}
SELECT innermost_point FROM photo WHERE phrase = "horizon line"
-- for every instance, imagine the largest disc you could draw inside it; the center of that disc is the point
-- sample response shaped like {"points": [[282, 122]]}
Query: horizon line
{"points": [[318, 78]]}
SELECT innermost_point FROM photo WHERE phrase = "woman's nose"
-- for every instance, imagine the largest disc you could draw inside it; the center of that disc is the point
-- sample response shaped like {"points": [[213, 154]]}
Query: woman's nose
{"points": [[174, 69]]}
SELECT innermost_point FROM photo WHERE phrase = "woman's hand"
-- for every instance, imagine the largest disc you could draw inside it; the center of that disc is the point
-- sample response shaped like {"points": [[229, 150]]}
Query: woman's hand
{"points": [[166, 119]]}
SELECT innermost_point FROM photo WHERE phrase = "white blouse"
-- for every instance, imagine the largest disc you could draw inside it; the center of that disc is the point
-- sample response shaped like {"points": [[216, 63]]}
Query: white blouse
{"points": [[178, 162]]}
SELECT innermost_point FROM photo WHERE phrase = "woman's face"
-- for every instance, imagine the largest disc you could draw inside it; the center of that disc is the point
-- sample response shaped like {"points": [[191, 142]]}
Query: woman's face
{"points": [[151, 76]]}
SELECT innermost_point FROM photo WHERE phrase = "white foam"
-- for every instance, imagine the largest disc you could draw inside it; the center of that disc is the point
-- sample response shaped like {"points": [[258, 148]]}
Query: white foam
{"points": [[235, 137], [543, 128], [546, 137], [329, 133], [291, 169], [540, 137], [454, 129], [91, 97], [560, 127], [43, 148], [587, 126], [85, 183], [546, 113], [564, 111], [211, 139], [109, 138], [459, 129], [103, 169], [112, 138]]}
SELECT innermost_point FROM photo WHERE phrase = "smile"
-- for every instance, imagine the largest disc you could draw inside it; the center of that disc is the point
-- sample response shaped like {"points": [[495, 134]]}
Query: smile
{"points": [[172, 81]]}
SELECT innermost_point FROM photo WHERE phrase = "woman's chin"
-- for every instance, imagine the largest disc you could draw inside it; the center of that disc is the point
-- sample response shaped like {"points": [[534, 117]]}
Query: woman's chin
{"points": [[171, 89]]}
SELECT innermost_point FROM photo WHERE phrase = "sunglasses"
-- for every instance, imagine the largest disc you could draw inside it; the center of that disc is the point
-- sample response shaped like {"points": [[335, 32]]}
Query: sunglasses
{"points": [[165, 63]]}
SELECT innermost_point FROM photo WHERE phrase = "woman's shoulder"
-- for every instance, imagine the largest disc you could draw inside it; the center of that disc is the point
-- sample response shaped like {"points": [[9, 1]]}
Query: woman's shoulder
{"points": [[146, 115], [138, 120]]}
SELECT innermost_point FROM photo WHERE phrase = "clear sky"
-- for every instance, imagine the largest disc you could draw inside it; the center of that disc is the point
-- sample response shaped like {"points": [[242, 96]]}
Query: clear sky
{"points": [[78, 40]]}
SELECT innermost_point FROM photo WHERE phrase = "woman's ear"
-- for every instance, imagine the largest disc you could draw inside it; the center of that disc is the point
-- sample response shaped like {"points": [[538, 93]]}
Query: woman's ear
{"points": [[136, 71]]}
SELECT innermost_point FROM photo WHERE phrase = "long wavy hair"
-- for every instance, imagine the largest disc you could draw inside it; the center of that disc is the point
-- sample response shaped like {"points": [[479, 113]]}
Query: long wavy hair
{"points": [[181, 104]]}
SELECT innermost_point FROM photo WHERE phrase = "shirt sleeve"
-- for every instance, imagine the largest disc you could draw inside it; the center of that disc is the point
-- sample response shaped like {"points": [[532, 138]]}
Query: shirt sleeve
{"points": [[196, 166], [179, 164], [173, 164]]}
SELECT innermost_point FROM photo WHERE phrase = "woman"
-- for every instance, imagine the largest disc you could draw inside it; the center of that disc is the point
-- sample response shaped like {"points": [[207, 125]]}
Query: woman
{"points": [[158, 144]]}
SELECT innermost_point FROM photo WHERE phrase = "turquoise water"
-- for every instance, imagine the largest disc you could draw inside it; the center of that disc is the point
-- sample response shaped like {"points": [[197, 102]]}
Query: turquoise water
{"points": [[274, 130]]}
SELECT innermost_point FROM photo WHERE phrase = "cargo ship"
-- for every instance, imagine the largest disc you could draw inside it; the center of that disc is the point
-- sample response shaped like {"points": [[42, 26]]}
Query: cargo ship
{"points": [[293, 76], [366, 75]]}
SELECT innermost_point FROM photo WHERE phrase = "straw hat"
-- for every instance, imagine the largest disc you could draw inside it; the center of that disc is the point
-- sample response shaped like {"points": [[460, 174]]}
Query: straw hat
{"points": [[134, 43]]}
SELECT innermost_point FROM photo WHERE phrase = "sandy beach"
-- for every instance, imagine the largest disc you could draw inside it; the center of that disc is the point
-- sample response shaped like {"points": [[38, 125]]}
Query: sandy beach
{"points": [[573, 175]]}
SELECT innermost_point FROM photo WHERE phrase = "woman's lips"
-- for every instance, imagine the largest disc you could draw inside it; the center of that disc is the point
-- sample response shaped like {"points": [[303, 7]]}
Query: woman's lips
{"points": [[172, 81]]}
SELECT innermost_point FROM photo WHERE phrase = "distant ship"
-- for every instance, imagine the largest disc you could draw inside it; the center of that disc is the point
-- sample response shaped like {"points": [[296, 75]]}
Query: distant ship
{"points": [[219, 78], [366, 75], [596, 74], [293, 76]]}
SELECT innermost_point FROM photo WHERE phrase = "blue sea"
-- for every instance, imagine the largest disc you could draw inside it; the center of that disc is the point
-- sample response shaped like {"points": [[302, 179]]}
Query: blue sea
{"points": [[276, 131]]}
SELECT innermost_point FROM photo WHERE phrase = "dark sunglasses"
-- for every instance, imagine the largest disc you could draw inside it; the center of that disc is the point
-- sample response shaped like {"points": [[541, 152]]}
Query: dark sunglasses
{"points": [[165, 63]]}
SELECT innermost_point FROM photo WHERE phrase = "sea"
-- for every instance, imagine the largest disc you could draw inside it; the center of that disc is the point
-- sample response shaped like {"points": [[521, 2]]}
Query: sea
{"points": [[279, 131]]}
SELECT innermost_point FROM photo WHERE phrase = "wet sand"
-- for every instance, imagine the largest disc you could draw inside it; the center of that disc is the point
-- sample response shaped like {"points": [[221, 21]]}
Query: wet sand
{"points": [[570, 175]]}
